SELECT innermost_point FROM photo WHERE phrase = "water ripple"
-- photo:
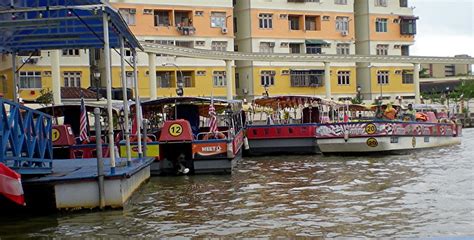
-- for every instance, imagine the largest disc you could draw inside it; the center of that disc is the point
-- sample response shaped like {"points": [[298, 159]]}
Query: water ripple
{"points": [[424, 194]]}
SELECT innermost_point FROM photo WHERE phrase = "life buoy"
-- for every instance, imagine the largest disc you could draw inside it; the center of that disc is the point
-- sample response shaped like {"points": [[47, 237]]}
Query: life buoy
{"points": [[217, 135]]}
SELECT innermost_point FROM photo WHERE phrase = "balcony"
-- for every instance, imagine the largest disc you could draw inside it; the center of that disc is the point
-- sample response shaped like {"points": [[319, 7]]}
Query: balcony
{"points": [[408, 25], [186, 30]]}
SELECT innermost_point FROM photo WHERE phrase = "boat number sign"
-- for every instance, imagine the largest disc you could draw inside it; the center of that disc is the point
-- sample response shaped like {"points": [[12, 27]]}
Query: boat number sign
{"points": [[371, 128], [372, 142], [55, 135], [175, 129]]}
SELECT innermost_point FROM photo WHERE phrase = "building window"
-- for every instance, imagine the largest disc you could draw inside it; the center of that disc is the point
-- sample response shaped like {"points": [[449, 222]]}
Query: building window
{"points": [[265, 20], [219, 46], [187, 78], [407, 77], [71, 52], [30, 80], [342, 24], [306, 78], [267, 47], [403, 3], [408, 26], [313, 48], [295, 47], [449, 70], [382, 49], [219, 79], [218, 20], [380, 3], [343, 48], [294, 22], [162, 18], [343, 77], [312, 23], [267, 78], [340, 2], [128, 14], [405, 50], [382, 77], [164, 79], [182, 18], [188, 44], [72, 79], [381, 25]]}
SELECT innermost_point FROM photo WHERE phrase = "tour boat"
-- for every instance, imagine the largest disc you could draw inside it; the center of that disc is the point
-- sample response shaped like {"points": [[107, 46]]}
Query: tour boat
{"points": [[286, 124], [193, 135], [374, 135], [66, 130]]}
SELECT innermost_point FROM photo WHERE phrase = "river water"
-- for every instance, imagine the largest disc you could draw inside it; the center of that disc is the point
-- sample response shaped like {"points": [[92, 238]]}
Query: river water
{"points": [[427, 193]]}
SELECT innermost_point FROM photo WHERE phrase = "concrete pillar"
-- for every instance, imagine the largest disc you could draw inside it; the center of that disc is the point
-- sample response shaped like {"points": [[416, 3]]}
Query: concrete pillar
{"points": [[55, 76], [416, 82], [327, 79], [229, 78], [152, 74]]}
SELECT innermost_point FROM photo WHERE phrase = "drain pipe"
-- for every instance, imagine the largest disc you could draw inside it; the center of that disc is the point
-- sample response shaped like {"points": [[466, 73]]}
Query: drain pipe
{"points": [[100, 162]]}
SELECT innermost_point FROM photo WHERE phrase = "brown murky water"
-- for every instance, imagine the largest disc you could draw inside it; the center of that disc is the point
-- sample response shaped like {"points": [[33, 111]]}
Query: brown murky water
{"points": [[425, 194]]}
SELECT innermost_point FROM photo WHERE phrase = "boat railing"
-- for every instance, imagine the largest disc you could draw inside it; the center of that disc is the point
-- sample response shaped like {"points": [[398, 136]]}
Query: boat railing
{"points": [[202, 134]]}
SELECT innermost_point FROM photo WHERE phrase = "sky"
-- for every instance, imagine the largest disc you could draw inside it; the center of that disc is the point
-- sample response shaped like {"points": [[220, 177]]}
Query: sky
{"points": [[445, 27]]}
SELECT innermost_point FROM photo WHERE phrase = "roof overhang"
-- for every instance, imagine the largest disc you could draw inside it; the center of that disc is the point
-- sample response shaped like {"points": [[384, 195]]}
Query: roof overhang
{"points": [[61, 24]]}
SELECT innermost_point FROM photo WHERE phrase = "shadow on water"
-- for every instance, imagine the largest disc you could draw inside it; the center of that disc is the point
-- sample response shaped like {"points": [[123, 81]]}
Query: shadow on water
{"points": [[422, 194]]}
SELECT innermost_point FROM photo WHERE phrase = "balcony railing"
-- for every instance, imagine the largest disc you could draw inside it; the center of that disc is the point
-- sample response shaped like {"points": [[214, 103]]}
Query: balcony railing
{"points": [[186, 30]]}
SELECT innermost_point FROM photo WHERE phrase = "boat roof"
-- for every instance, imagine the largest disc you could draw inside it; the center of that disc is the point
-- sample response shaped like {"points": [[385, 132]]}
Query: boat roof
{"points": [[437, 107], [58, 110], [359, 107], [202, 102], [284, 101], [189, 100]]}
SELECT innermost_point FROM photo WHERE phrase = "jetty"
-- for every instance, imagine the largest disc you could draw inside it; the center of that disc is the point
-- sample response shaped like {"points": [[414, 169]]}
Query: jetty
{"points": [[26, 145]]}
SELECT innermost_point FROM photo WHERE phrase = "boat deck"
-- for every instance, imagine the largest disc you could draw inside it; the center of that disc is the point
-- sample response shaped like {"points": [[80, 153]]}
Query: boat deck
{"points": [[83, 169]]}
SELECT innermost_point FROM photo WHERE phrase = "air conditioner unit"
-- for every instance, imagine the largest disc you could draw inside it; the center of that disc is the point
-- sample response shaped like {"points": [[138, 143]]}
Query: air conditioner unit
{"points": [[132, 11], [224, 30], [397, 46], [285, 72], [284, 44], [345, 33], [271, 44], [147, 11], [326, 18], [47, 73], [283, 16], [199, 13], [396, 20], [398, 72]]}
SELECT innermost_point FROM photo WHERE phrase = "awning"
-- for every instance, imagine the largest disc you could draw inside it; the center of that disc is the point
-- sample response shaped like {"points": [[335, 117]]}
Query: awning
{"points": [[315, 41], [44, 24], [409, 17]]}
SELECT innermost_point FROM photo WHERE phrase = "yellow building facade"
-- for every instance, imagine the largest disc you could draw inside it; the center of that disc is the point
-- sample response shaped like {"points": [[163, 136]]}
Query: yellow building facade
{"points": [[366, 27]]}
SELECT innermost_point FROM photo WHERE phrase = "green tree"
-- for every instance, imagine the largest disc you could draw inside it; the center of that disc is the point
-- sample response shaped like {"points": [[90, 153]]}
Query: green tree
{"points": [[46, 97]]}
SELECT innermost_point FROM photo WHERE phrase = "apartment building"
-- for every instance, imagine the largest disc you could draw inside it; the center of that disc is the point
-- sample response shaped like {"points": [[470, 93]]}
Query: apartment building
{"points": [[185, 23], [366, 27], [439, 70], [35, 72], [384, 27], [295, 27]]}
